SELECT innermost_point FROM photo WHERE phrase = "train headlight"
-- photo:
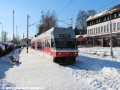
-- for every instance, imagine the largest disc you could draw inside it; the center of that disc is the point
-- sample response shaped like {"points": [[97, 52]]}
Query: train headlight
{"points": [[76, 53], [59, 53]]}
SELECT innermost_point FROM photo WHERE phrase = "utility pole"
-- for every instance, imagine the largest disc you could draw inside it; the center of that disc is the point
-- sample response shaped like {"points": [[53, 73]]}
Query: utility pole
{"points": [[111, 52], [2, 32], [16, 32], [23, 37], [71, 22], [13, 24], [27, 31], [23, 40]]}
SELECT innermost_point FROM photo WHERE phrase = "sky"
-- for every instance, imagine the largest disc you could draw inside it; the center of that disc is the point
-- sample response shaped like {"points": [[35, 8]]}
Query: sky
{"points": [[33, 8]]}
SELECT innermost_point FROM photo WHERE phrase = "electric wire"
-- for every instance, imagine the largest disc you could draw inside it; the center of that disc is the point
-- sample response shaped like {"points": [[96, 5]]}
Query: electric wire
{"points": [[65, 6], [106, 5]]}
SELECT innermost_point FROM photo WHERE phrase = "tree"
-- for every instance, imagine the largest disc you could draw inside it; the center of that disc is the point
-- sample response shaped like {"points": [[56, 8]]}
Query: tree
{"points": [[16, 39], [82, 17], [4, 36], [48, 20], [76, 31]]}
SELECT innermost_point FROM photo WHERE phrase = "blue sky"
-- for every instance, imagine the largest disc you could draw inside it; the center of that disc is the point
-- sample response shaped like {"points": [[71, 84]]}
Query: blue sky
{"points": [[34, 8]]}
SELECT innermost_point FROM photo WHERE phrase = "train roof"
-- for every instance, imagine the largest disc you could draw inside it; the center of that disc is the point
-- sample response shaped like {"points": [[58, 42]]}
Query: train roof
{"points": [[105, 12], [54, 30]]}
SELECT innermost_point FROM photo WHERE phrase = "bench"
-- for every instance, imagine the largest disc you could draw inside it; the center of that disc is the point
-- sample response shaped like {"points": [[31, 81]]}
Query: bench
{"points": [[13, 60], [99, 53], [90, 52]]}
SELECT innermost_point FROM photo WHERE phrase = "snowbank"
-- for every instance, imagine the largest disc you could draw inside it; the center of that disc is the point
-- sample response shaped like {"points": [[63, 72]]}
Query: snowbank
{"points": [[2, 47]]}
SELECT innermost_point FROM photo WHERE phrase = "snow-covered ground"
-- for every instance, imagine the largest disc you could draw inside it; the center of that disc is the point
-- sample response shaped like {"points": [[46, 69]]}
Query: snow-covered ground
{"points": [[34, 71]]}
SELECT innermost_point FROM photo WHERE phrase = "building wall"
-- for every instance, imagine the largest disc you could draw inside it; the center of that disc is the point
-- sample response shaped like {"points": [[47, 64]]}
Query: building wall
{"points": [[100, 26], [99, 29]]}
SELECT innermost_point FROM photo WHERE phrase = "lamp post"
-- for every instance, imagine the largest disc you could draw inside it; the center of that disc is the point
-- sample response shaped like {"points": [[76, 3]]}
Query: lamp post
{"points": [[111, 52], [2, 32], [28, 29]]}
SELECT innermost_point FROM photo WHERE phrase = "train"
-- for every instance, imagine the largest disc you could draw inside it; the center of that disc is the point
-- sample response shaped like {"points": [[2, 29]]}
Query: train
{"points": [[57, 44]]}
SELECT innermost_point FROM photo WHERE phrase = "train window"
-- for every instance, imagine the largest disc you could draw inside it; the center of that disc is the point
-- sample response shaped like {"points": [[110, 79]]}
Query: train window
{"points": [[33, 45], [53, 43], [65, 43], [39, 46], [47, 43]]}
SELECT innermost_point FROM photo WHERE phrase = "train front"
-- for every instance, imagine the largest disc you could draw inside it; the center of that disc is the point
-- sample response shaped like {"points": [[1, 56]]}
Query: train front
{"points": [[64, 46]]}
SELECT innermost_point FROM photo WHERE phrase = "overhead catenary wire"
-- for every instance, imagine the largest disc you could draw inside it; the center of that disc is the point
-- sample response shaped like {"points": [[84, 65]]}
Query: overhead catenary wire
{"points": [[65, 6], [106, 5]]}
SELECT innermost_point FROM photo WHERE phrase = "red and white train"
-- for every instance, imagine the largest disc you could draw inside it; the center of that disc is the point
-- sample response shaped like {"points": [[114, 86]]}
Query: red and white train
{"points": [[57, 44]]}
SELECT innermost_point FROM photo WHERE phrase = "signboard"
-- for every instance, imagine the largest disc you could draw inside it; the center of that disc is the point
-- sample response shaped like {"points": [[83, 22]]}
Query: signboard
{"points": [[64, 35], [81, 38]]}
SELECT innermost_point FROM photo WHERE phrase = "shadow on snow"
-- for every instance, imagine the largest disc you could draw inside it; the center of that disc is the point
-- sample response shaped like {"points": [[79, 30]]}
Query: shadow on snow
{"points": [[94, 64], [5, 65]]}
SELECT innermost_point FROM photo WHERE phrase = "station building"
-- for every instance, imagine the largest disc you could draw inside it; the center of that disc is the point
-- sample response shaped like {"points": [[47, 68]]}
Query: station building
{"points": [[101, 25]]}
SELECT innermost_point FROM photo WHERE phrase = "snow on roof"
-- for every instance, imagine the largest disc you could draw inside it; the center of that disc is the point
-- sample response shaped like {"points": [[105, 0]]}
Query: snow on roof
{"points": [[104, 12], [85, 35], [9, 43]]}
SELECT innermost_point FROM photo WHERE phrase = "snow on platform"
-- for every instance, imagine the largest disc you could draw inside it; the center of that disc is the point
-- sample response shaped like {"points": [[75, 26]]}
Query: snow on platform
{"points": [[37, 71]]}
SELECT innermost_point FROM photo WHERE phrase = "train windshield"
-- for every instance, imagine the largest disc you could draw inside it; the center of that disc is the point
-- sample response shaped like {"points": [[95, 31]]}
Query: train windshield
{"points": [[65, 43]]}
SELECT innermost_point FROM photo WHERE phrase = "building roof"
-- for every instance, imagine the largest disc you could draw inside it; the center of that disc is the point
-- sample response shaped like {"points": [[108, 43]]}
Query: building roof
{"points": [[85, 35], [105, 12]]}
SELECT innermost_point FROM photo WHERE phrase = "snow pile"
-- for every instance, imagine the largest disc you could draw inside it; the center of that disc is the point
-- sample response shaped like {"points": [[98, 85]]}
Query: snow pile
{"points": [[111, 72], [2, 47], [16, 54], [9, 43], [4, 84]]}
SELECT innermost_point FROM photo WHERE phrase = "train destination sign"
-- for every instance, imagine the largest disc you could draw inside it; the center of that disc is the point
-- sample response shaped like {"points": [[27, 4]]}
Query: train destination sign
{"points": [[64, 35]]}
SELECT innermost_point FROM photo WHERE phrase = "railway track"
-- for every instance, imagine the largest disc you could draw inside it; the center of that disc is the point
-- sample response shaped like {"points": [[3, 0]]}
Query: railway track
{"points": [[96, 73]]}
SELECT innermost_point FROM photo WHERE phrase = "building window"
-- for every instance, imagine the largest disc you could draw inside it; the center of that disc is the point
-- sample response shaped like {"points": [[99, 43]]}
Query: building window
{"points": [[118, 26], [99, 20], [94, 30], [88, 31], [92, 22], [118, 13], [101, 29], [108, 17], [114, 26], [98, 29], [115, 15], [105, 28], [104, 18]]}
